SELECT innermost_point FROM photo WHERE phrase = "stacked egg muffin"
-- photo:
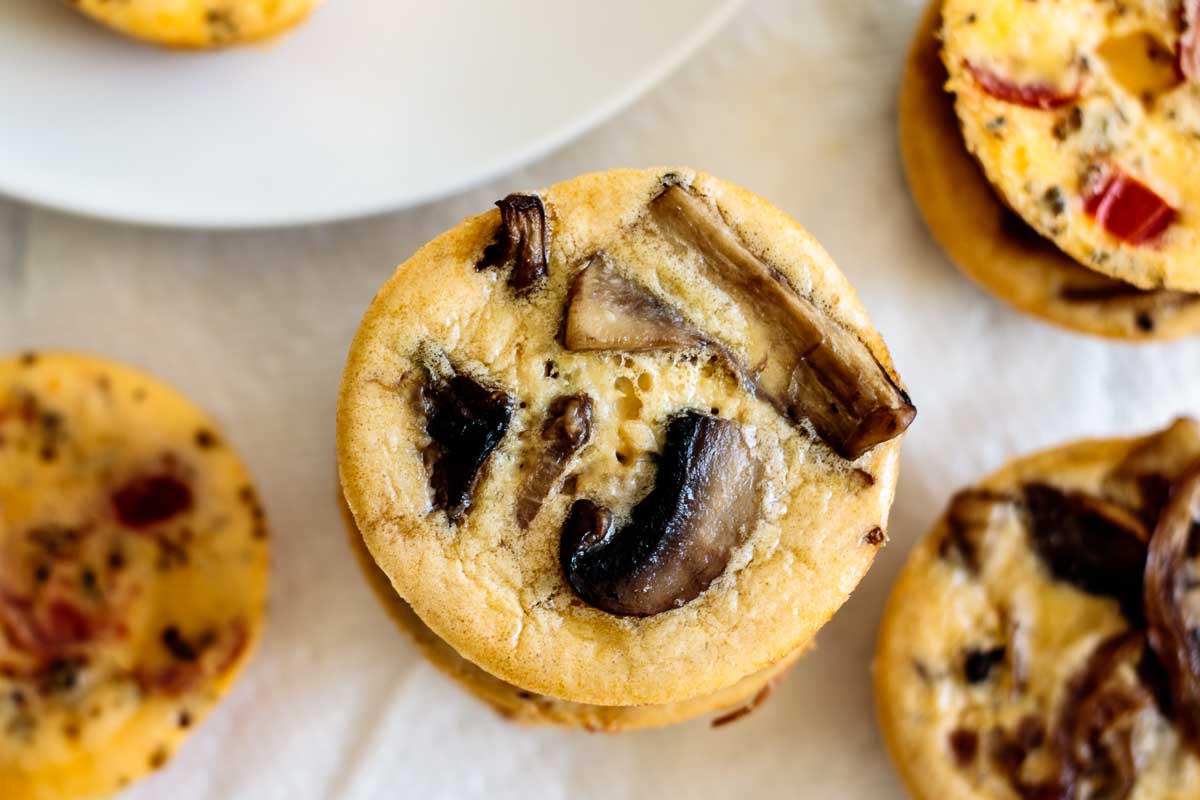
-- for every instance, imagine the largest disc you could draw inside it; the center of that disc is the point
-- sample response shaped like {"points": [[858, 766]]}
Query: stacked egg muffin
{"points": [[614, 453]]}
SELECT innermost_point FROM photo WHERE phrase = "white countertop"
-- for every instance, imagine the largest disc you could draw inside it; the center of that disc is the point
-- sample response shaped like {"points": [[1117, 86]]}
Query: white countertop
{"points": [[794, 100]]}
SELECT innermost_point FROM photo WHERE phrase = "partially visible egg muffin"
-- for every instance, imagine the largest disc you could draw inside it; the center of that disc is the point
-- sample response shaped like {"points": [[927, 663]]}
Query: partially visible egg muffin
{"points": [[1043, 640], [1085, 115], [991, 243], [133, 574], [197, 23]]}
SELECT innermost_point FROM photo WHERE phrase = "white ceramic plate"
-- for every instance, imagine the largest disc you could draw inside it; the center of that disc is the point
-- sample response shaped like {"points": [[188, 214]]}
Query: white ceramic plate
{"points": [[370, 105]]}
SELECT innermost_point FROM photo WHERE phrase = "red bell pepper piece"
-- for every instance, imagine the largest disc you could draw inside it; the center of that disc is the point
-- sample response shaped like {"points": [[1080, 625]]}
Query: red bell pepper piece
{"points": [[1128, 209], [1032, 95]]}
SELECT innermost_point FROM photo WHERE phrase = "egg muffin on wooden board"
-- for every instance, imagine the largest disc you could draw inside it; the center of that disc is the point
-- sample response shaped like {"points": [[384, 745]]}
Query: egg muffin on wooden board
{"points": [[133, 574], [1041, 641], [991, 243], [197, 23], [527, 708], [626, 442]]}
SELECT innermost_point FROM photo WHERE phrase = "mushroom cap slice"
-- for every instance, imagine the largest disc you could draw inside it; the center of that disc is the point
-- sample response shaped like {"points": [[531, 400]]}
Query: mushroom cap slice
{"points": [[1172, 600], [610, 311], [1094, 736], [567, 429], [967, 519], [466, 421], [521, 239], [1143, 479], [806, 363], [705, 500], [1095, 545]]}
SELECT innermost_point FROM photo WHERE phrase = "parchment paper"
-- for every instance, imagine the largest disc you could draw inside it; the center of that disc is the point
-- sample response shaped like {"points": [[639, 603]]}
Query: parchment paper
{"points": [[794, 100]]}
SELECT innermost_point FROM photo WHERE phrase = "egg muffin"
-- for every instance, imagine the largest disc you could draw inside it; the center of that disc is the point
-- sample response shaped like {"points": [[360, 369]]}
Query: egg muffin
{"points": [[197, 23], [1041, 641], [1075, 111], [133, 573], [627, 441]]}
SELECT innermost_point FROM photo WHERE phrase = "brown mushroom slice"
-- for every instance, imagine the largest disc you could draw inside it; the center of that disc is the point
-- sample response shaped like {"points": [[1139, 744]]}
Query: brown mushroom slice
{"points": [[567, 429], [706, 500], [1142, 480], [1097, 546], [1173, 601], [465, 421], [805, 363], [1094, 732], [610, 311], [521, 240], [1091, 751], [967, 521]]}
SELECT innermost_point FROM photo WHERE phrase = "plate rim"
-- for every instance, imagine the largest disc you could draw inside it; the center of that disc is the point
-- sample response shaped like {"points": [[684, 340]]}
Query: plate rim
{"points": [[671, 59]]}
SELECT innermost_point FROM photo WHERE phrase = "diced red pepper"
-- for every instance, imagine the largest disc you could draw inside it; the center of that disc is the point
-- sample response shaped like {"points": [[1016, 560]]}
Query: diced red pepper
{"points": [[1189, 43], [45, 630], [66, 624], [1128, 209], [1032, 95], [151, 499]]}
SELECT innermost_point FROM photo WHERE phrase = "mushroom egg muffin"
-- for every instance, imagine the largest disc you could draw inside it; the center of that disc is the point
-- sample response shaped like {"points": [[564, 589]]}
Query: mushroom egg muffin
{"points": [[627, 441], [1042, 641]]}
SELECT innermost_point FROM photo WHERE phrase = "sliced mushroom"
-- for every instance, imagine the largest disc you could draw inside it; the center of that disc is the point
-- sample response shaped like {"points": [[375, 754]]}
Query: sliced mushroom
{"points": [[805, 363], [567, 429], [1142, 480], [1090, 754], [679, 538], [967, 519], [1173, 601], [1093, 544], [1094, 732], [521, 240], [466, 421], [1011, 751], [610, 311]]}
